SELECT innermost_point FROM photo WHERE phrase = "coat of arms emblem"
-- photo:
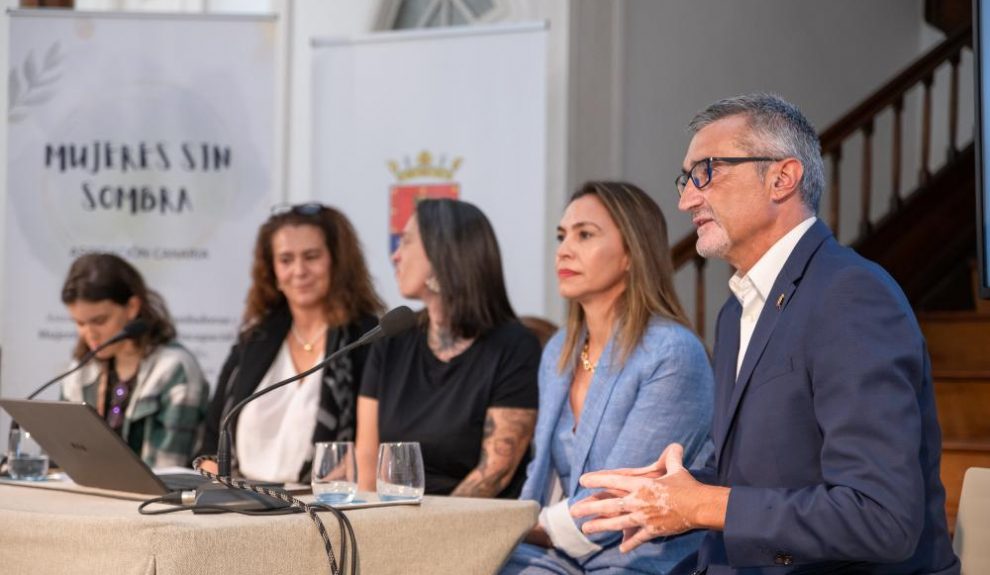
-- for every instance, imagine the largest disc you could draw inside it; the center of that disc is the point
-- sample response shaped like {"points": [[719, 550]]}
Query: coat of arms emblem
{"points": [[422, 180]]}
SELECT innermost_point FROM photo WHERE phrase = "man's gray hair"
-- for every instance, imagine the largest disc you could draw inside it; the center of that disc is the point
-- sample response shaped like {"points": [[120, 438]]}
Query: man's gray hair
{"points": [[778, 129]]}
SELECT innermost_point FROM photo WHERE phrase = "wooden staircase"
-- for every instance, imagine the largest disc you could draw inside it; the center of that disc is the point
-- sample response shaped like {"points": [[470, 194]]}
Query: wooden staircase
{"points": [[959, 345], [931, 235]]}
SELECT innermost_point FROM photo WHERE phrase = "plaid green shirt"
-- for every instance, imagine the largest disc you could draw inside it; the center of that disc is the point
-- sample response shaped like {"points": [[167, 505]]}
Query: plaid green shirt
{"points": [[167, 407]]}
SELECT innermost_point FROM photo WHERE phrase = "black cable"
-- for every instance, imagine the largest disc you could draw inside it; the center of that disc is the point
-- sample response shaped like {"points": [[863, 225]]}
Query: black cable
{"points": [[344, 524], [180, 507], [282, 496], [347, 536]]}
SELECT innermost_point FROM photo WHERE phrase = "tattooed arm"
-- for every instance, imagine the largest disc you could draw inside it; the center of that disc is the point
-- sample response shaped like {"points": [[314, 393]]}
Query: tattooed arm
{"points": [[508, 432]]}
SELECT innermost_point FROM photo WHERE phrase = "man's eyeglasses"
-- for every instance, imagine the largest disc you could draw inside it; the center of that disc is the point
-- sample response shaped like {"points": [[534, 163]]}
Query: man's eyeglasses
{"points": [[307, 209], [700, 173]]}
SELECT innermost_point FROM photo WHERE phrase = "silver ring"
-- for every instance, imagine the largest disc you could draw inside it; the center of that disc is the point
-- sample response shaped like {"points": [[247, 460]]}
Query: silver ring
{"points": [[622, 505]]}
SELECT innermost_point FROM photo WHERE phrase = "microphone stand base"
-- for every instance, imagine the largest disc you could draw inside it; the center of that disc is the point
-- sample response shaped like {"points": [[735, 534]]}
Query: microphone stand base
{"points": [[215, 495]]}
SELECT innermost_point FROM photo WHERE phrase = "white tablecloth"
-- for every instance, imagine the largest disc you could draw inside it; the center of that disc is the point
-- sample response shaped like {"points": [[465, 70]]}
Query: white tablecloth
{"points": [[54, 532]]}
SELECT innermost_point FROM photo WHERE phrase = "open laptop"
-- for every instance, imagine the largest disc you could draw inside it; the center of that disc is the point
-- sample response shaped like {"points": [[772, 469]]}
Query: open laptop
{"points": [[89, 451]]}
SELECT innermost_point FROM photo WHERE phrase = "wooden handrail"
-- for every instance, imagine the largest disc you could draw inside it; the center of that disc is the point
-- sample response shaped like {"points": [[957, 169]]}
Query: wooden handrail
{"points": [[914, 74]]}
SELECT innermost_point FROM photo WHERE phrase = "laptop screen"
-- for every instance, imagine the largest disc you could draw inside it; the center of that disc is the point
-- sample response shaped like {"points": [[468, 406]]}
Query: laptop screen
{"points": [[84, 446]]}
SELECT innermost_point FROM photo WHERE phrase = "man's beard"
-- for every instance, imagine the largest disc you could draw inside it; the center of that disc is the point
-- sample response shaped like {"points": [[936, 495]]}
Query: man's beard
{"points": [[714, 243]]}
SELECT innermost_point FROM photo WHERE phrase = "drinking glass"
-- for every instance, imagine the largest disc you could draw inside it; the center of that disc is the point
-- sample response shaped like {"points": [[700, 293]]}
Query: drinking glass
{"points": [[334, 472], [400, 471], [25, 458]]}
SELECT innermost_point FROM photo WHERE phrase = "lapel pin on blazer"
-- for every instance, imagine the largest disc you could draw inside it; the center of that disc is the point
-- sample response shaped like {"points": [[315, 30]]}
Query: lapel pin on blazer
{"points": [[780, 301]]}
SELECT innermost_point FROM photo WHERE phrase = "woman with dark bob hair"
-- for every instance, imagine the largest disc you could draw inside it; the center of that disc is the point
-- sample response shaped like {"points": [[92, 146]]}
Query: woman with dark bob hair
{"points": [[624, 376], [310, 295], [464, 384], [149, 389]]}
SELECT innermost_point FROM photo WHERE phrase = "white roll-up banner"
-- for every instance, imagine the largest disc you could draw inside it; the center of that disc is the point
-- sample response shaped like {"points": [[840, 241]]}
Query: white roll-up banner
{"points": [[149, 136], [459, 113]]}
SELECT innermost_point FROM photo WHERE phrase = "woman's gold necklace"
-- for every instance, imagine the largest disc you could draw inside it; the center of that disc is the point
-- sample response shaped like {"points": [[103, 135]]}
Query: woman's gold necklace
{"points": [[308, 345], [586, 361]]}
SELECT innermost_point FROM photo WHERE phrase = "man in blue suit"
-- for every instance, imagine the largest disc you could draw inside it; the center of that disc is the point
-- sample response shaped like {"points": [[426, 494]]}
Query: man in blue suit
{"points": [[826, 440]]}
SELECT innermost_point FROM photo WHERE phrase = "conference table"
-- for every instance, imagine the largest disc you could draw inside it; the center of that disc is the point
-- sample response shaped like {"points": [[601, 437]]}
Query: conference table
{"points": [[44, 531]]}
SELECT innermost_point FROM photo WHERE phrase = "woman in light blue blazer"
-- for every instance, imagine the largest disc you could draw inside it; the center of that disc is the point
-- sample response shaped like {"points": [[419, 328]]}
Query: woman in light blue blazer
{"points": [[625, 378]]}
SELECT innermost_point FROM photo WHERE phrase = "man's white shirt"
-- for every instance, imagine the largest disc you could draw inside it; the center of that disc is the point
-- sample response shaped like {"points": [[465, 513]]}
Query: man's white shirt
{"points": [[753, 289]]}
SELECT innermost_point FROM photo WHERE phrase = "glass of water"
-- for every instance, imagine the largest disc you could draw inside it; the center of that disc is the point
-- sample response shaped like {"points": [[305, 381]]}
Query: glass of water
{"points": [[334, 472], [400, 472], [25, 458]]}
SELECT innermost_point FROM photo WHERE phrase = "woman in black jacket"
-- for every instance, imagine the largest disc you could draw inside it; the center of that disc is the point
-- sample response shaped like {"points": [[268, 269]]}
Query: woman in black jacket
{"points": [[311, 294]]}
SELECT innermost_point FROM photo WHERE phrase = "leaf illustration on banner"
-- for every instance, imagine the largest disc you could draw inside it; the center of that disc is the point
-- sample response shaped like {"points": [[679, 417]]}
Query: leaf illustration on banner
{"points": [[33, 93], [13, 87], [52, 56], [30, 72]]}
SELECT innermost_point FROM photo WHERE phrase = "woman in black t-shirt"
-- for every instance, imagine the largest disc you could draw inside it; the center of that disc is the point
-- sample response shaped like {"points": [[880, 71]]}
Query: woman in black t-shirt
{"points": [[464, 383]]}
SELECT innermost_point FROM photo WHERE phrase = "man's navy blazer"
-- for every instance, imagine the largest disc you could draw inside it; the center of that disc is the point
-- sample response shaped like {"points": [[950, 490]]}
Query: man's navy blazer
{"points": [[828, 437]]}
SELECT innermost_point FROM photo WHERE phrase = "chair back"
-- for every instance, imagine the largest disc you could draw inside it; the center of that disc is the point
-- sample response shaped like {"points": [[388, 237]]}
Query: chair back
{"points": [[972, 539], [543, 329]]}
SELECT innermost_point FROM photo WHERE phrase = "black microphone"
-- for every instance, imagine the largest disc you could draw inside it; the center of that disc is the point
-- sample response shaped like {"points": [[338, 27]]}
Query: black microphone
{"points": [[134, 328], [393, 322]]}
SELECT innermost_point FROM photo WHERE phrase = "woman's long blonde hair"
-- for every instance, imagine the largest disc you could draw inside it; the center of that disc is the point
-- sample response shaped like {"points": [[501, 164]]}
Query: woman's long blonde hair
{"points": [[650, 285]]}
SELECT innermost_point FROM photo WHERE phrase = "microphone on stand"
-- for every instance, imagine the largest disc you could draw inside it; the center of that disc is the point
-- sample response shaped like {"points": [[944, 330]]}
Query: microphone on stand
{"points": [[133, 329], [215, 494]]}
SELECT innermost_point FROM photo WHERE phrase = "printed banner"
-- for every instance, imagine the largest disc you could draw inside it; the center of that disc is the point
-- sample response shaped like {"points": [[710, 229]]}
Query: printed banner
{"points": [[149, 136], [455, 113]]}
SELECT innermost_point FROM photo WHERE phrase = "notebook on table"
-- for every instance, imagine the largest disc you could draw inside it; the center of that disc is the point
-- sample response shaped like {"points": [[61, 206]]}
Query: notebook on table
{"points": [[89, 451]]}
